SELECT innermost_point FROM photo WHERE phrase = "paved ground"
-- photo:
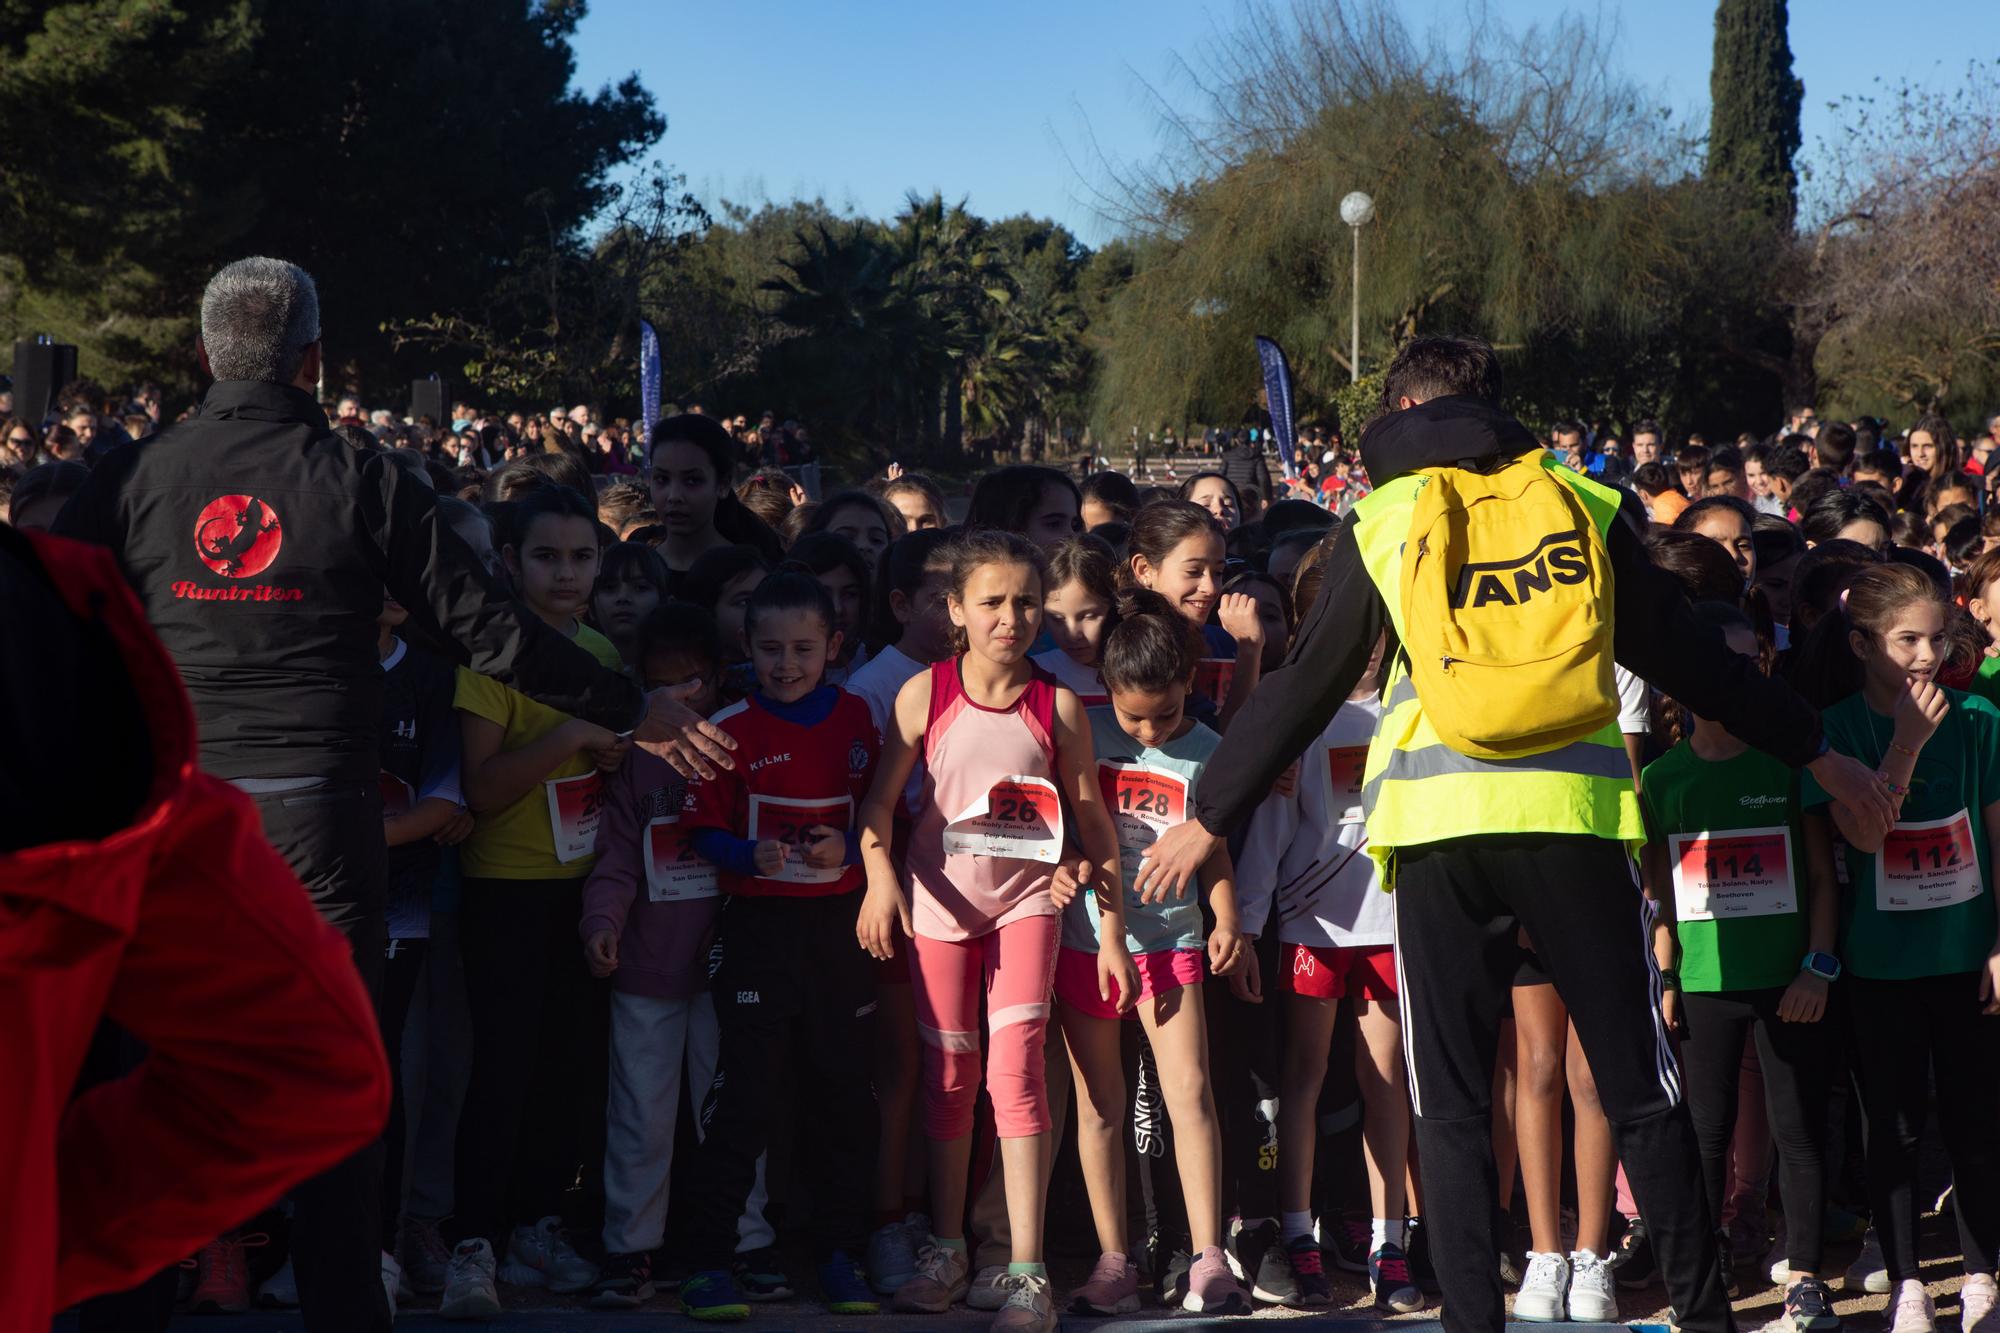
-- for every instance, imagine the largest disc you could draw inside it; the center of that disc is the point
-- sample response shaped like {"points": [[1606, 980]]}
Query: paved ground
{"points": [[1351, 1312]]}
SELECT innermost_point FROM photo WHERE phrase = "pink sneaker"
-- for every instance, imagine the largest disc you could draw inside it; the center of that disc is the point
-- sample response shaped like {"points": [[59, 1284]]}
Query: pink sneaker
{"points": [[1213, 1288], [1912, 1311], [1113, 1288], [1977, 1299]]}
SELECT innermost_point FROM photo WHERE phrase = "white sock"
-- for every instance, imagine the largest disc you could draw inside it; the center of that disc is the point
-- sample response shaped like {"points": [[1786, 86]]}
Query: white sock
{"points": [[1296, 1224], [1382, 1231]]}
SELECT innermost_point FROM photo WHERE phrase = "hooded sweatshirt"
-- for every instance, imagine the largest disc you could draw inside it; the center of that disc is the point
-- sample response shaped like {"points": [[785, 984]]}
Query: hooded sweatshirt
{"points": [[154, 902], [647, 887]]}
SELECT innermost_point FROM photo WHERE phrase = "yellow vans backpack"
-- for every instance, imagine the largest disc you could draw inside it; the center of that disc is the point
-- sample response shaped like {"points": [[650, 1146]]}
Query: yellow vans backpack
{"points": [[1506, 590]]}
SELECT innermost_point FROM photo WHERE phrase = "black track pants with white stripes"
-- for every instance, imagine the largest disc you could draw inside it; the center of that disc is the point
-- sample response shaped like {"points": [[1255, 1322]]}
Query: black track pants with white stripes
{"points": [[1457, 906]]}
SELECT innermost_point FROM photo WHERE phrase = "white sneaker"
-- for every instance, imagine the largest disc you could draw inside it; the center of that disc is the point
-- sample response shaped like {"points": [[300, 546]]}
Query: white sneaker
{"points": [[392, 1280], [468, 1283], [1977, 1302], [1868, 1272], [280, 1291], [1913, 1311], [541, 1256], [1544, 1288], [1591, 1298], [1026, 1305], [987, 1292]]}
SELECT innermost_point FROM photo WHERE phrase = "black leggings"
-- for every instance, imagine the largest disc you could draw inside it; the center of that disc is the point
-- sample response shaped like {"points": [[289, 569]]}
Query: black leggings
{"points": [[533, 1028], [1905, 1031], [402, 971], [1798, 1063], [1459, 908]]}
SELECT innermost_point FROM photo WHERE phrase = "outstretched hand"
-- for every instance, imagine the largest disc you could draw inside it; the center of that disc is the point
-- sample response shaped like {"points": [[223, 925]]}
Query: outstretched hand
{"points": [[693, 745], [1173, 861]]}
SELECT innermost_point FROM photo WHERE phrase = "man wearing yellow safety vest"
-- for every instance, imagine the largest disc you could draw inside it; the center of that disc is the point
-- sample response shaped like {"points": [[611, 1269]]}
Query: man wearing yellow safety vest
{"points": [[1497, 792]]}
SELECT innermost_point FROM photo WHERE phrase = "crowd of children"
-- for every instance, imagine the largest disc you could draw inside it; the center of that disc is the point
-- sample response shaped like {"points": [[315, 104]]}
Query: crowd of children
{"points": [[863, 985]]}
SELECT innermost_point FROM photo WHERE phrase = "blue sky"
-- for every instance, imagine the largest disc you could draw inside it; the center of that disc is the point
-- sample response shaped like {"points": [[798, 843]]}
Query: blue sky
{"points": [[859, 101]]}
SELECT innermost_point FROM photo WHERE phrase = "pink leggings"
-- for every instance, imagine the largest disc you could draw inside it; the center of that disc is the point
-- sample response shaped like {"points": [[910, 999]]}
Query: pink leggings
{"points": [[1016, 967]]}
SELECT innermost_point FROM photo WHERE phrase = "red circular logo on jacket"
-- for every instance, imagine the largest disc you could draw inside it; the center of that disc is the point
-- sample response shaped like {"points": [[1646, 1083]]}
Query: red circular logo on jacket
{"points": [[237, 536]]}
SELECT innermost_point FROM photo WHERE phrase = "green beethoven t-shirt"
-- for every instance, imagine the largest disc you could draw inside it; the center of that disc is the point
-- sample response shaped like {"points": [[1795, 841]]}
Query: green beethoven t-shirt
{"points": [[1737, 866], [1931, 914], [1986, 682]]}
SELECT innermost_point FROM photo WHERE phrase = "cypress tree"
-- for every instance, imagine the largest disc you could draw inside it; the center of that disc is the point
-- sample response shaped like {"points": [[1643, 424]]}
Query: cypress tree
{"points": [[1753, 128]]}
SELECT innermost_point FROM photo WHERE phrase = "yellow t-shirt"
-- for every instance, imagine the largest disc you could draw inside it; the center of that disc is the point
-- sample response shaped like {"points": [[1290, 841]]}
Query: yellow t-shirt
{"points": [[518, 842]]}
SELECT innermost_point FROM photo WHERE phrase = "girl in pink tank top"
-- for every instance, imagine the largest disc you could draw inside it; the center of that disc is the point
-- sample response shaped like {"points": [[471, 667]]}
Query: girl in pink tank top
{"points": [[1006, 753]]}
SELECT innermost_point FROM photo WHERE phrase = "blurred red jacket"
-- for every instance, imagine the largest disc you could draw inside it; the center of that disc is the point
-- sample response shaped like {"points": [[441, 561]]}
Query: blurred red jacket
{"points": [[185, 928]]}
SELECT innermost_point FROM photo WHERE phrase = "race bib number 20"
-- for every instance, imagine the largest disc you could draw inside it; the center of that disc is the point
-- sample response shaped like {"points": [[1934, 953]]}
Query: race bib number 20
{"points": [[791, 820], [673, 872], [1021, 817], [574, 804]]}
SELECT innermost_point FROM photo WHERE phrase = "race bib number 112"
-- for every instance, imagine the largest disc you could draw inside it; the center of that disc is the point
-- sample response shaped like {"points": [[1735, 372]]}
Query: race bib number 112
{"points": [[1927, 864]]}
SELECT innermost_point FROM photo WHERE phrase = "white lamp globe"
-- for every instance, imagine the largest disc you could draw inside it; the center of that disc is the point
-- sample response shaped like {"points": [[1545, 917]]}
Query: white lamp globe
{"points": [[1356, 209]]}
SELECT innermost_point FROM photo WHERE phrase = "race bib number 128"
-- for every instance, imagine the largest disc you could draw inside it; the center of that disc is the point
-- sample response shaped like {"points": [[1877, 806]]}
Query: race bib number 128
{"points": [[1145, 802]]}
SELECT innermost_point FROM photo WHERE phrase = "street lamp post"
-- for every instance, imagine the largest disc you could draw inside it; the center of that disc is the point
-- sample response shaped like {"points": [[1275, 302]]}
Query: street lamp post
{"points": [[1355, 210]]}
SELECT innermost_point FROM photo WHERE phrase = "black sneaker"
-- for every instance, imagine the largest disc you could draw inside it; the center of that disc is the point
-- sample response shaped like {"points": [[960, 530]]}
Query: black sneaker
{"points": [[1174, 1279], [1248, 1245], [1809, 1307], [1727, 1266], [1417, 1250], [1510, 1269], [759, 1277], [1346, 1244], [625, 1282], [1273, 1280], [1633, 1265], [1308, 1272]]}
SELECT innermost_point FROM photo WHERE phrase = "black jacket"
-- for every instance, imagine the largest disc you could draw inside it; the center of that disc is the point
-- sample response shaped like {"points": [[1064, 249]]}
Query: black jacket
{"points": [[260, 545], [1244, 465], [1654, 632]]}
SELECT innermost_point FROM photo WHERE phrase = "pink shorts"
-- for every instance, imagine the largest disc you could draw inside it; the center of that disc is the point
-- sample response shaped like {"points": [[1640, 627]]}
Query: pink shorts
{"points": [[1159, 972], [1361, 972]]}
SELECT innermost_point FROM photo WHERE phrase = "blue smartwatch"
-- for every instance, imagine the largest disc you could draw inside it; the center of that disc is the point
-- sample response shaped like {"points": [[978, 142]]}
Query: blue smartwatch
{"points": [[1822, 965]]}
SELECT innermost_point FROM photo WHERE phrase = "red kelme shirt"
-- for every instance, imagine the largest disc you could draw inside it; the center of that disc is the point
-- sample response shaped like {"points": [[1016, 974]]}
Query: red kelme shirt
{"points": [[789, 779]]}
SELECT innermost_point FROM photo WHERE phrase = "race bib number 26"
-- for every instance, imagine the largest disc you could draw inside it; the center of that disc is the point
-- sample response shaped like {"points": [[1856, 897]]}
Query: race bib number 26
{"points": [[1021, 817]]}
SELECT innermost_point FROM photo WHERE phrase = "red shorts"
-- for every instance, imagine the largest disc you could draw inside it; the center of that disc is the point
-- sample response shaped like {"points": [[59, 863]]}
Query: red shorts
{"points": [[1165, 970], [1364, 972]]}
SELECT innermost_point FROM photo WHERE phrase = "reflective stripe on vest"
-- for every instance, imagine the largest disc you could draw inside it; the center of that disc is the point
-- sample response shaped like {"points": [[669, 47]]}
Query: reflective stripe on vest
{"points": [[1416, 789]]}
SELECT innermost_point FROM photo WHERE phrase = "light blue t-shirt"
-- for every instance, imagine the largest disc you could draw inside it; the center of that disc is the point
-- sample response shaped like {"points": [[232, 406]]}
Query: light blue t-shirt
{"points": [[1147, 790]]}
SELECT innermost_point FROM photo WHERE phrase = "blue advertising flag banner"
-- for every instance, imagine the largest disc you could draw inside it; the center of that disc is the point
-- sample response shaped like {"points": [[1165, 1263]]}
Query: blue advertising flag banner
{"points": [[649, 379], [1278, 392]]}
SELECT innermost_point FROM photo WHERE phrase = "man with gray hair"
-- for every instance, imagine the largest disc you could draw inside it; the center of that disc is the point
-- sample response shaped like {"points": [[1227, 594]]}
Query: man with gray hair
{"points": [[260, 545]]}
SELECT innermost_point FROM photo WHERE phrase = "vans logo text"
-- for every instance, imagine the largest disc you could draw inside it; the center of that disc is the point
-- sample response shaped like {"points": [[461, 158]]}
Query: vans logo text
{"points": [[1557, 558]]}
